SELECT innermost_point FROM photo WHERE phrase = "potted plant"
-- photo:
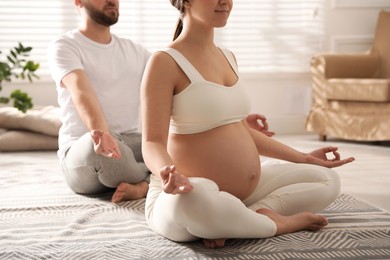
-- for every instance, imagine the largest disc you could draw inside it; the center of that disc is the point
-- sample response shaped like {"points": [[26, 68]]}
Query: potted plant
{"points": [[15, 66]]}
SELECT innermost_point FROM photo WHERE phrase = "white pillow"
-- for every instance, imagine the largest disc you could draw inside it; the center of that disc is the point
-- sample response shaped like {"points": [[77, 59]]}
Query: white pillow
{"points": [[12, 141], [45, 120]]}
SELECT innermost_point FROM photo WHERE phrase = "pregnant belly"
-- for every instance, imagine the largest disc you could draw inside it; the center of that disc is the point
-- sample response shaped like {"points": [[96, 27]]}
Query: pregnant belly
{"points": [[226, 155]]}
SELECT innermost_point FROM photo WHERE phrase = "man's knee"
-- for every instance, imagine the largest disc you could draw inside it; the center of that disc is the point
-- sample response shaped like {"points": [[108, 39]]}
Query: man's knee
{"points": [[83, 180]]}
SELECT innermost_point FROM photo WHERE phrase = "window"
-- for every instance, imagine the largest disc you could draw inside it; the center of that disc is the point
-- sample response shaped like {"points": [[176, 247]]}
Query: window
{"points": [[275, 35], [265, 35]]}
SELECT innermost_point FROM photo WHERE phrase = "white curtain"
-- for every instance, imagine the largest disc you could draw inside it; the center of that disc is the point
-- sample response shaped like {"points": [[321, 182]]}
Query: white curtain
{"points": [[265, 35]]}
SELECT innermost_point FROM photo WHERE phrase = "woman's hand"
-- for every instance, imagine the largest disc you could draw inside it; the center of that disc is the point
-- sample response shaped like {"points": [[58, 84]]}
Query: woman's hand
{"points": [[319, 157], [173, 182], [105, 144], [262, 126]]}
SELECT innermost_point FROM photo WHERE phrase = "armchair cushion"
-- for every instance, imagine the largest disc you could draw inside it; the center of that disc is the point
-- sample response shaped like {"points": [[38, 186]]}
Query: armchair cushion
{"points": [[372, 109], [372, 90], [346, 65]]}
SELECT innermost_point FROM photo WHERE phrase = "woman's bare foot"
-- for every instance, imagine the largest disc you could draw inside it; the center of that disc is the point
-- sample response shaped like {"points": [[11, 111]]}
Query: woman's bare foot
{"points": [[214, 243], [284, 224], [297, 222], [126, 191]]}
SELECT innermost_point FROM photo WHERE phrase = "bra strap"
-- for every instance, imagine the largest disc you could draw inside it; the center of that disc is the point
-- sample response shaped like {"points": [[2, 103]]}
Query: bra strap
{"points": [[229, 56], [192, 74]]}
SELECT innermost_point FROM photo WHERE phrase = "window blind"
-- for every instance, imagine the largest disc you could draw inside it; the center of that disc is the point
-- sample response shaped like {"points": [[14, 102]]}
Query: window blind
{"points": [[265, 35], [275, 35]]}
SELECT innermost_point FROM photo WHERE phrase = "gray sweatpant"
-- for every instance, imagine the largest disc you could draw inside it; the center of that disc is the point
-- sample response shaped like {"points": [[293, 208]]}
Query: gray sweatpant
{"points": [[89, 173]]}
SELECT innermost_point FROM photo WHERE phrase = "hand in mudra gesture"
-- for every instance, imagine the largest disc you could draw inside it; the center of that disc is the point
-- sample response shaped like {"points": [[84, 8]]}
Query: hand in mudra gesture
{"points": [[319, 157], [259, 123], [173, 182]]}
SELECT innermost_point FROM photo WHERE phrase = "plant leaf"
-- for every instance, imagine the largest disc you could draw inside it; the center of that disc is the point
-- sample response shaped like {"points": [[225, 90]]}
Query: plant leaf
{"points": [[4, 100]]}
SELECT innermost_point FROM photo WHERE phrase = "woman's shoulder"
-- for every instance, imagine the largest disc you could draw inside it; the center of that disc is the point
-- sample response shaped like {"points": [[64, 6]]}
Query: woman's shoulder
{"points": [[226, 51], [162, 66], [162, 58]]}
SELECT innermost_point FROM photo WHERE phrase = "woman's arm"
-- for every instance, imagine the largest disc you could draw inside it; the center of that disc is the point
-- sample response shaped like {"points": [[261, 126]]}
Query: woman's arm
{"points": [[157, 90], [270, 147]]}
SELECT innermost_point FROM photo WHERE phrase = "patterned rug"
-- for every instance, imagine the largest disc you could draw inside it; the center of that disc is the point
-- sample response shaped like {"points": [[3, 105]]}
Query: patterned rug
{"points": [[40, 218]]}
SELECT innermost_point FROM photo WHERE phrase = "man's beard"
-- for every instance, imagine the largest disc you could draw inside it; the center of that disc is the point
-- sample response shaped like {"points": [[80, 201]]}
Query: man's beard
{"points": [[99, 16]]}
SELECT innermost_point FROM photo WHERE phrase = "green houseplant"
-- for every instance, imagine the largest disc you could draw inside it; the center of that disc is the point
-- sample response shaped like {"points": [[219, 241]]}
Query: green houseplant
{"points": [[16, 66]]}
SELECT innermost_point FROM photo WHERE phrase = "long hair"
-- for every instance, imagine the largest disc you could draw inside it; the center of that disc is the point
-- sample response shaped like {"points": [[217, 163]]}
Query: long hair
{"points": [[179, 5]]}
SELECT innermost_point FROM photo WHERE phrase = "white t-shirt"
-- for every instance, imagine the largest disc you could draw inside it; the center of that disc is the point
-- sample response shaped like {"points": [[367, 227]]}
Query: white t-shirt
{"points": [[115, 70]]}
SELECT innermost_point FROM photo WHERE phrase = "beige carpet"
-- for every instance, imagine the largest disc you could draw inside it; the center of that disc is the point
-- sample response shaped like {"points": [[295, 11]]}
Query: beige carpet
{"points": [[40, 218], [368, 178]]}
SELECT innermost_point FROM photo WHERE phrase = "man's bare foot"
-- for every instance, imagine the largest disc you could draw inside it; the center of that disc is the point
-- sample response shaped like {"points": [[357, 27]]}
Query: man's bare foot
{"points": [[297, 222], [126, 191], [214, 243]]}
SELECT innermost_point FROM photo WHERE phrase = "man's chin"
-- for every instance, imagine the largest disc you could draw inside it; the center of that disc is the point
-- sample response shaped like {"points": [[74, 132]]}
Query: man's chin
{"points": [[113, 16]]}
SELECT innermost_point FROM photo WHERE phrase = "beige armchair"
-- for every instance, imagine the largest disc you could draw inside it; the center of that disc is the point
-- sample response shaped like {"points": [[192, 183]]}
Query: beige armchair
{"points": [[351, 92]]}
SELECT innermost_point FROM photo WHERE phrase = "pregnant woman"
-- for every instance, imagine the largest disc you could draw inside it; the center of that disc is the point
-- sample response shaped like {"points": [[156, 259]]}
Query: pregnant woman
{"points": [[207, 179]]}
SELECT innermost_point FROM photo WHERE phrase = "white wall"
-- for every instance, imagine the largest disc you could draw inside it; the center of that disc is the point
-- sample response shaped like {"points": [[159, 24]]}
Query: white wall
{"points": [[351, 24], [42, 91], [284, 99]]}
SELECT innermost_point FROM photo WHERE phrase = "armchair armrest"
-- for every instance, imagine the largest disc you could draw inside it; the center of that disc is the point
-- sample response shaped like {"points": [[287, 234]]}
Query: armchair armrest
{"points": [[345, 65]]}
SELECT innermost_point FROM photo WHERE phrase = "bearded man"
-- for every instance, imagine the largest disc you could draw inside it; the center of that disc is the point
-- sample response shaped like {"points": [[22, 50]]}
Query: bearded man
{"points": [[98, 76]]}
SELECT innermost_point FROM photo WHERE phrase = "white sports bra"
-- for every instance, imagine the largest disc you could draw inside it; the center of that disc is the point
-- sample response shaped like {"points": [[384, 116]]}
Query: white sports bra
{"points": [[204, 105]]}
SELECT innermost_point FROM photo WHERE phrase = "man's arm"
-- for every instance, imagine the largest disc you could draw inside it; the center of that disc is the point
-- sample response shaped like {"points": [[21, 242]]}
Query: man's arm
{"points": [[88, 106]]}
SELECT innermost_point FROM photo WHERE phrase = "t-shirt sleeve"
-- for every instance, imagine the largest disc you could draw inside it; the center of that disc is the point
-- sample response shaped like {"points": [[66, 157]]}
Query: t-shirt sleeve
{"points": [[146, 56], [63, 57]]}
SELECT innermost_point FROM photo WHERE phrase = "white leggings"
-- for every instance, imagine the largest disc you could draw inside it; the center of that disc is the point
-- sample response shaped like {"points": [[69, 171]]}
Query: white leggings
{"points": [[206, 212]]}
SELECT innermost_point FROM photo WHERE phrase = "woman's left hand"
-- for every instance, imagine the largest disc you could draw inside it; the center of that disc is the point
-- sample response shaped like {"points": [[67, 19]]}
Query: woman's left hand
{"points": [[319, 157], [259, 123]]}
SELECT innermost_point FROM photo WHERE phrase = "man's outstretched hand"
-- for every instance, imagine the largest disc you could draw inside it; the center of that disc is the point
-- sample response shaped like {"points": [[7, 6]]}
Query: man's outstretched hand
{"points": [[105, 144]]}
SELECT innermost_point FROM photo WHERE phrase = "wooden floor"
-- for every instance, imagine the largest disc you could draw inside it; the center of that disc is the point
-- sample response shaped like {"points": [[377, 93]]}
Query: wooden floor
{"points": [[367, 178]]}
